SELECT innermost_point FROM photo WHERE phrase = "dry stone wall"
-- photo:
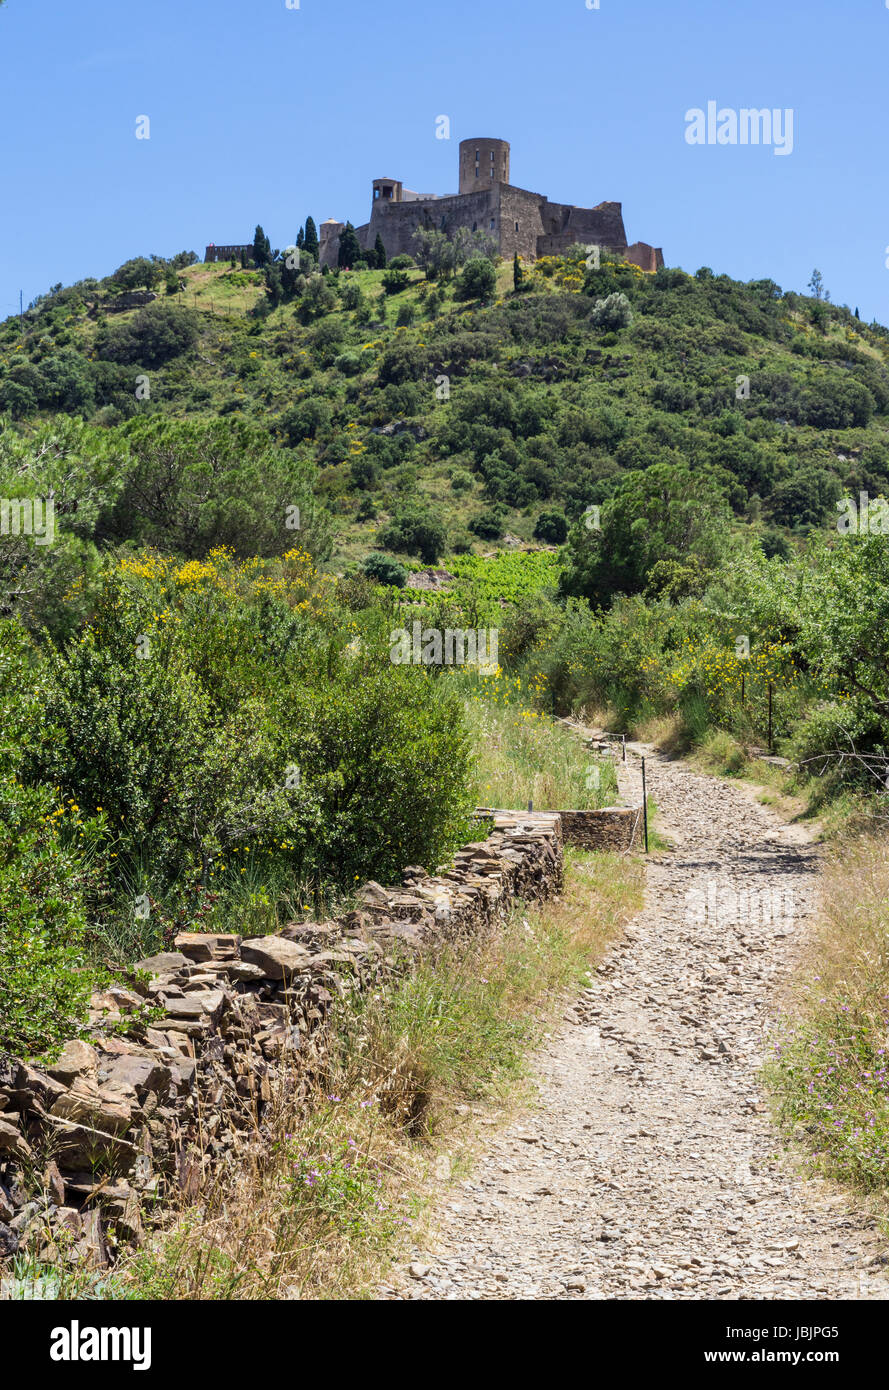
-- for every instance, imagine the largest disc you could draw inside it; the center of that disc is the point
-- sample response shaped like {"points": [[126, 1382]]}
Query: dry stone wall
{"points": [[91, 1142], [610, 828]]}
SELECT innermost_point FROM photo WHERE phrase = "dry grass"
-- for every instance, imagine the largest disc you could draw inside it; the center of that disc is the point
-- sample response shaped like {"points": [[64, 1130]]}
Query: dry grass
{"points": [[336, 1192], [830, 1074]]}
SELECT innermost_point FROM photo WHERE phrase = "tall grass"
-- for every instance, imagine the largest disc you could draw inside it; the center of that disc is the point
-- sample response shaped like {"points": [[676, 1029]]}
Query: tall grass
{"points": [[830, 1070], [521, 756]]}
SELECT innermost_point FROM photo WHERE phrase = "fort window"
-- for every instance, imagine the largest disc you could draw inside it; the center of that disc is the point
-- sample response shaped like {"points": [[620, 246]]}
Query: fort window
{"points": [[517, 226], [475, 226], [492, 224]]}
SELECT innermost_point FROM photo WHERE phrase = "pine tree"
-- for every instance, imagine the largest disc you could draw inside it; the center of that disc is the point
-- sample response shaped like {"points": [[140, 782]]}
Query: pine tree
{"points": [[311, 238], [262, 248], [350, 247], [816, 285], [518, 274], [379, 253]]}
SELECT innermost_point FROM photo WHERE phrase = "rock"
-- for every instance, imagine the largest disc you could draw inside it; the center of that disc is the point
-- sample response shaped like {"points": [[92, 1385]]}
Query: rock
{"points": [[419, 1271], [69, 1219], [278, 958], [200, 946], [54, 1183], [204, 1004], [164, 963], [131, 1077], [77, 1059], [92, 1246], [12, 1141], [7, 1210], [9, 1241], [85, 1104]]}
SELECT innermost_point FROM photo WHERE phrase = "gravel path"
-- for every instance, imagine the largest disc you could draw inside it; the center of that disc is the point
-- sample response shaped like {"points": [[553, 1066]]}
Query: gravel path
{"points": [[649, 1167]]}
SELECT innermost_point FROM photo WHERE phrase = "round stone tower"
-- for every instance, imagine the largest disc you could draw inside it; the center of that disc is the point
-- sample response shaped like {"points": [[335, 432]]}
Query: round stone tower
{"points": [[483, 163]]}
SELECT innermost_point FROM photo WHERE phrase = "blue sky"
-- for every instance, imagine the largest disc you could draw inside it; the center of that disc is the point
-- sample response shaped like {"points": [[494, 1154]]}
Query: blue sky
{"points": [[263, 113]]}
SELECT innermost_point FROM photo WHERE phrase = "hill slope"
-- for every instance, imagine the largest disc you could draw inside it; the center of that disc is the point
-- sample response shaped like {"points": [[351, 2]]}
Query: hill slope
{"points": [[483, 414]]}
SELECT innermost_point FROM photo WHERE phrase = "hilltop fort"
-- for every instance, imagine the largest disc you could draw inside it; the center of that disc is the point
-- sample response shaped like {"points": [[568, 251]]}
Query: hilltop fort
{"points": [[515, 218]]}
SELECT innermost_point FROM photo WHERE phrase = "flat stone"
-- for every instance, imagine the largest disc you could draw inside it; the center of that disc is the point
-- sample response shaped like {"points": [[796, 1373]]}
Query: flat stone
{"points": [[278, 958], [164, 963], [77, 1058]]}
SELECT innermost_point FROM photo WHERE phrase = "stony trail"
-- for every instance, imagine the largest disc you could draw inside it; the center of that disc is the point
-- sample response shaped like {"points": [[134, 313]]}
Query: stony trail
{"points": [[649, 1167]]}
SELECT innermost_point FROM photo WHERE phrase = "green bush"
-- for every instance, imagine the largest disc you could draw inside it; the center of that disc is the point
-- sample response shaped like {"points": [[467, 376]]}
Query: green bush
{"points": [[416, 533], [477, 279], [551, 528], [385, 570], [154, 336]]}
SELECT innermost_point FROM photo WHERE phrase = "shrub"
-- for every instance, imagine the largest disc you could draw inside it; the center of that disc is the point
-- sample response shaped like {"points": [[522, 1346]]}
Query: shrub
{"points": [[45, 875], [477, 279], [155, 335], [612, 313], [488, 525], [395, 280], [385, 570], [416, 533], [551, 528]]}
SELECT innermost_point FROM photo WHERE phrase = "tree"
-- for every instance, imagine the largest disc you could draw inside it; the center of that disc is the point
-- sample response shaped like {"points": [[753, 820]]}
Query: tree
{"points": [[349, 248], [311, 237], [156, 334], [416, 533], [380, 253], [816, 285], [138, 271], [262, 249], [477, 279], [434, 253], [192, 486], [665, 523], [300, 239], [518, 274], [469, 244]]}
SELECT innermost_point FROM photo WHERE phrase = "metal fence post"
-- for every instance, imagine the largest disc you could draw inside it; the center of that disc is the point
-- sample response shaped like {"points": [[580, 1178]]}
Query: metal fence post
{"points": [[644, 806]]}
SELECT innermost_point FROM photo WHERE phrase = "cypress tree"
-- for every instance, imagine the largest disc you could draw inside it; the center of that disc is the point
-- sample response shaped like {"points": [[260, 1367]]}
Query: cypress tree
{"points": [[262, 248], [518, 274], [311, 238], [300, 239], [349, 248], [380, 253]]}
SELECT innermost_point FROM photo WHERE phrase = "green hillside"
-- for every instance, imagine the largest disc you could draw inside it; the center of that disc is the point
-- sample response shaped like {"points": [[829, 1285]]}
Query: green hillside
{"points": [[481, 414]]}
